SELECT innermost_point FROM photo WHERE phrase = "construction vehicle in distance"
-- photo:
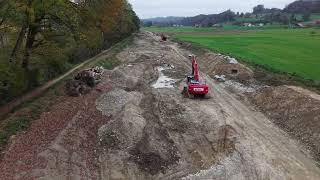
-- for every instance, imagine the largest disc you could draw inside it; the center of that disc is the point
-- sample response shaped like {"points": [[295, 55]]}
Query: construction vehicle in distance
{"points": [[163, 37], [195, 87]]}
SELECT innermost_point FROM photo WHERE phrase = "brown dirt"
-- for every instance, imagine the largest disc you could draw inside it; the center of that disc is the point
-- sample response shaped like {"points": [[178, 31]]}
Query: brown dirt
{"points": [[142, 132], [178, 137], [41, 151], [294, 109], [213, 64]]}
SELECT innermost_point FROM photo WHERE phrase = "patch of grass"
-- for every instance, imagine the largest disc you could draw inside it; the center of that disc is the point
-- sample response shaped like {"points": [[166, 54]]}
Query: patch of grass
{"points": [[226, 27], [291, 51], [230, 27], [108, 63], [16, 125], [314, 16], [12, 127], [25, 114], [178, 29], [109, 60]]}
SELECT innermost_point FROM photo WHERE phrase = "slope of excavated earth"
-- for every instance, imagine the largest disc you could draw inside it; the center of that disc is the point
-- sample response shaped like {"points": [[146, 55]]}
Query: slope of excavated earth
{"points": [[130, 128], [294, 109]]}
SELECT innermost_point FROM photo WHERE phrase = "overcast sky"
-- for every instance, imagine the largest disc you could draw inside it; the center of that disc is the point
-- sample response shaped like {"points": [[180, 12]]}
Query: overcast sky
{"points": [[156, 8]]}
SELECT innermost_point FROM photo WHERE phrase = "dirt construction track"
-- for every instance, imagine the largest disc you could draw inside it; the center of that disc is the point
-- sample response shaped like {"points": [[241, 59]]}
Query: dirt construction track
{"points": [[141, 127]]}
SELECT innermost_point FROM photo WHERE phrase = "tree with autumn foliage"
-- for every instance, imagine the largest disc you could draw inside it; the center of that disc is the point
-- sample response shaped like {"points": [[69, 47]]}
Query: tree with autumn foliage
{"points": [[44, 38]]}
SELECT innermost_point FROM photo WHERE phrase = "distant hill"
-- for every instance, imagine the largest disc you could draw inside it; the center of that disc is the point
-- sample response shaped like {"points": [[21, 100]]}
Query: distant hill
{"points": [[164, 21], [291, 13], [203, 20], [209, 20], [303, 6]]}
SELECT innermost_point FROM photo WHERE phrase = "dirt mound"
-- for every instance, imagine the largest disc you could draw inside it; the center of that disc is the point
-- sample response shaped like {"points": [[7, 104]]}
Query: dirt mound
{"points": [[113, 102], [296, 110], [128, 76], [125, 131], [237, 72]]}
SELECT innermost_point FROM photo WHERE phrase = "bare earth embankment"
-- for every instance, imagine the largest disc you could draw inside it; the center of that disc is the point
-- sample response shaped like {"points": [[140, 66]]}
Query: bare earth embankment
{"points": [[132, 128]]}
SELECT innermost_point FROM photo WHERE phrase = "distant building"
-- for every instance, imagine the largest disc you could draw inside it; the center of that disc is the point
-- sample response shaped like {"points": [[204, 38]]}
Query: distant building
{"points": [[300, 25], [247, 24], [217, 26]]}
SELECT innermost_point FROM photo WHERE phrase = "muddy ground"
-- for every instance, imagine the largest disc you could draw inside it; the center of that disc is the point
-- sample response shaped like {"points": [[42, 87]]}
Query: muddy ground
{"points": [[134, 126]]}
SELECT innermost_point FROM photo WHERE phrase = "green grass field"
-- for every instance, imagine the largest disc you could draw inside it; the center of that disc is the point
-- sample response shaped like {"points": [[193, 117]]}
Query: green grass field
{"points": [[315, 16], [294, 51], [178, 29], [226, 27]]}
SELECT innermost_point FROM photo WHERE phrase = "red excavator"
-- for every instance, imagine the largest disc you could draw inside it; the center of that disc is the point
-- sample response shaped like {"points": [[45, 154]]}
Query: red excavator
{"points": [[194, 86]]}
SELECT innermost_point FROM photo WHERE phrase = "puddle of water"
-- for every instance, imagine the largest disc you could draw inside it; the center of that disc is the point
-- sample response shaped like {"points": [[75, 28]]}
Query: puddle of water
{"points": [[163, 80]]}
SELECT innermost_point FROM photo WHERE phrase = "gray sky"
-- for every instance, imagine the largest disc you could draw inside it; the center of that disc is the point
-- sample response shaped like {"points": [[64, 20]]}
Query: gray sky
{"points": [[156, 8]]}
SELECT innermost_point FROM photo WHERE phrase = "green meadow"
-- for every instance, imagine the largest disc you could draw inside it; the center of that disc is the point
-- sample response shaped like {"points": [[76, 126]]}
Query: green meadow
{"points": [[294, 51]]}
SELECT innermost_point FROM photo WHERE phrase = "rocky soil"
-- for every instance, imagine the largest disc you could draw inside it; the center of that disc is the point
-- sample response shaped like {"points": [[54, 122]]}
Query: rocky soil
{"points": [[128, 128], [157, 133]]}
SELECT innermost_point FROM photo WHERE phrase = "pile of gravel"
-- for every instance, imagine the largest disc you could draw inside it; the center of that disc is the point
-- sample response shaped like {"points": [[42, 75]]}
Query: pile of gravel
{"points": [[124, 131], [113, 102]]}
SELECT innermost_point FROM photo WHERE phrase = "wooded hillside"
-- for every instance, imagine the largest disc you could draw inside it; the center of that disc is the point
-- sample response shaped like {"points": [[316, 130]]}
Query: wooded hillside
{"points": [[41, 39], [295, 12]]}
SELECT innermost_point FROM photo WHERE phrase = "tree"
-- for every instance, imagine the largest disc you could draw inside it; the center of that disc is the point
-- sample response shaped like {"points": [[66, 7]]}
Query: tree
{"points": [[247, 15], [306, 16], [39, 17], [293, 18], [258, 9], [147, 24], [226, 16], [46, 37], [277, 17]]}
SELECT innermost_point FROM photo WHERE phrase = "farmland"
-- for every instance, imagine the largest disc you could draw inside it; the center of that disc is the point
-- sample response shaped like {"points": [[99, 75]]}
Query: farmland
{"points": [[294, 51], [226, 27]]}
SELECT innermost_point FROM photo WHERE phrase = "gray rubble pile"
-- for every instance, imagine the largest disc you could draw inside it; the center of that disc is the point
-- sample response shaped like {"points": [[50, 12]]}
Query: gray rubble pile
{"points": [[90, 76], [84, 81]]}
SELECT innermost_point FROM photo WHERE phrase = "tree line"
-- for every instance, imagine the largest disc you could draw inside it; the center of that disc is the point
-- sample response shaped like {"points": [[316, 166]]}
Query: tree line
{"points": [[40, 39], [290, 14]]}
